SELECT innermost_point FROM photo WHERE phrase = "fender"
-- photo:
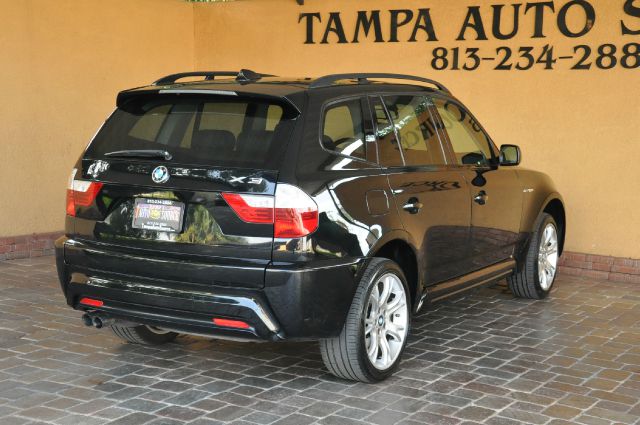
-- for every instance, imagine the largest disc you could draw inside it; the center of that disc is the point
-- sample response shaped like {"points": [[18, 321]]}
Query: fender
{"points": [[537, 209], [529, 223]]}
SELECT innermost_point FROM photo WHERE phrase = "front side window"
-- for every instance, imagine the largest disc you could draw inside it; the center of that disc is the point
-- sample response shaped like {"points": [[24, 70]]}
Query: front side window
{"points": [[471, 145], [416, 129], [343, 130]]}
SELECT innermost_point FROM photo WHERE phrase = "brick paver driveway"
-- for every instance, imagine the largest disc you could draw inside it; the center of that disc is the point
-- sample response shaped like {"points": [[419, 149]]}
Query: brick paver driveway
{"points": [[487, 358]]}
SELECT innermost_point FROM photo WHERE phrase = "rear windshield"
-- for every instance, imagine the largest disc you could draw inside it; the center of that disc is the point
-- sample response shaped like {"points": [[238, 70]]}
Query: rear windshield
{"points": [[211, 130]]}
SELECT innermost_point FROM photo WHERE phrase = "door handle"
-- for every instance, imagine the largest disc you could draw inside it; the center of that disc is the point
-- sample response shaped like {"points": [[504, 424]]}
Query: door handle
{"points": [[412, 206], [481, 198]]}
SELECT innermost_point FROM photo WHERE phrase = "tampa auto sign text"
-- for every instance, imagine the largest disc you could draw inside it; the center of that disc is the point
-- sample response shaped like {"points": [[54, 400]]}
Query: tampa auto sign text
{"points": [[480, 23]]}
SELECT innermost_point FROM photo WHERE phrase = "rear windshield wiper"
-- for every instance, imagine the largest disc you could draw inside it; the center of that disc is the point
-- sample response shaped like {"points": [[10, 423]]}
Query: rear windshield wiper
{"points": [[143, 153]]}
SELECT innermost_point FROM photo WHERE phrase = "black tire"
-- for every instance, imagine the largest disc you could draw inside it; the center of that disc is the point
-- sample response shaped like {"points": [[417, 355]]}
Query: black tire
{"points": [[526, 282], [143, 335], [345, 355]]}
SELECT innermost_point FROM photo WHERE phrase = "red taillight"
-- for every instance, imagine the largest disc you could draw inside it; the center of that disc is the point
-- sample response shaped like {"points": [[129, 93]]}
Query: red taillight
{"points": [[80, 193], [296, 213], [71, 206], [227, 323], [293, 213], [295, 222], [251, 208], [91, 302]]}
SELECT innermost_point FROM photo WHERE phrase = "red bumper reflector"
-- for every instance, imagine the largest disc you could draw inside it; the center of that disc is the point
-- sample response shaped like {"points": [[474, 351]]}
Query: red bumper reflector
{"points": [[230, 323], [91, 302]]}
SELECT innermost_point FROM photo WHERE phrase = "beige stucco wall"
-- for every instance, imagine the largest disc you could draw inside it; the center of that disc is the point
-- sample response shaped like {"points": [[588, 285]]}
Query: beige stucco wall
{"points": [[581, 127], [62, 63]]}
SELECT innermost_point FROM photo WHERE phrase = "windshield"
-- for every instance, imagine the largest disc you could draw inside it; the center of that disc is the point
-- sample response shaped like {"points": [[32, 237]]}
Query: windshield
{"points": [[209, 130]]}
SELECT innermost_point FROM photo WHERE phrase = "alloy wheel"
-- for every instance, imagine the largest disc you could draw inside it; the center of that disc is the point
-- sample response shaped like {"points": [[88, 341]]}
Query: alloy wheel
{"points": [[548, 256], [386, 321]]}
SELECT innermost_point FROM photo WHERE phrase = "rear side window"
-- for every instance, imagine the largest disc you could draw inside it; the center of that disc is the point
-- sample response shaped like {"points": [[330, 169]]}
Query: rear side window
{"points": [[212, 130], [414, 124], [343, 130], [389, 154]]}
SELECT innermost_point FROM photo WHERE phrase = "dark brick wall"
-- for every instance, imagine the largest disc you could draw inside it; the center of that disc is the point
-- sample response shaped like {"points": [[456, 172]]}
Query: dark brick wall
{"points": [[600, 267], [26, 246]]}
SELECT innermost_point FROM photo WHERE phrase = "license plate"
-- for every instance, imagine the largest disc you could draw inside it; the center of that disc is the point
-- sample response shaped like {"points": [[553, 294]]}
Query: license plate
{"points": [[158, 214]]}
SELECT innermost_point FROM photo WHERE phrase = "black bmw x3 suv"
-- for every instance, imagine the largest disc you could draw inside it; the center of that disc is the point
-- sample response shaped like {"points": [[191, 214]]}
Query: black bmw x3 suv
{"points": [[251, 207]]}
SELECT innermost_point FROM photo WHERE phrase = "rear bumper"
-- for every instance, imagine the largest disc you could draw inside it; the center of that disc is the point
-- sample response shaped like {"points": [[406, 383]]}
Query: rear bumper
{"points": [[297, 302]]}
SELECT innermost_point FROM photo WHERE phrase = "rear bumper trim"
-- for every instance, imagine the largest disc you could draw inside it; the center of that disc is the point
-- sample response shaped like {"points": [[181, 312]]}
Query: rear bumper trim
{"points": [[245, 302], [184, 310]]}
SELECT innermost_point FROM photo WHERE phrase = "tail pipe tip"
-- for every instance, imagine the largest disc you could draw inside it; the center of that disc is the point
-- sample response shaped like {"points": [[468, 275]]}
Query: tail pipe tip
{"points": [[102, 322], [86, 319], [96, 321]]}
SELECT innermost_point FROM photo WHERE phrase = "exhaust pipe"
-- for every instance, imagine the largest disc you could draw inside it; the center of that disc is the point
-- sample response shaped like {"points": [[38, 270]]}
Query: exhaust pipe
{"points": [[96, 321], [100, 322], [86, 319]]}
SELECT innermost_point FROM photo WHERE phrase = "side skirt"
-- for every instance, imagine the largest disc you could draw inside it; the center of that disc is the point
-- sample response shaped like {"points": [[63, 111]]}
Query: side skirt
{"points": [[481, 277]]}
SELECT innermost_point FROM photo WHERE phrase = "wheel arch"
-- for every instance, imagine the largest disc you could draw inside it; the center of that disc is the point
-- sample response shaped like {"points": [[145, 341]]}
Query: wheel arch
{"points": [[400, 250], [555, 208], [552, 204]]}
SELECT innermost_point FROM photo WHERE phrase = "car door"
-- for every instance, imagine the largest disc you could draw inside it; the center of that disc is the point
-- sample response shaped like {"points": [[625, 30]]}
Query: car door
{"points": [[431, 198], [495, 192]]}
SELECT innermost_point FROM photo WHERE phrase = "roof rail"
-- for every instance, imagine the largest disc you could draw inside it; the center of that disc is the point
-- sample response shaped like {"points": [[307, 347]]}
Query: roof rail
{"points": [[328, 80], [244, 75]]}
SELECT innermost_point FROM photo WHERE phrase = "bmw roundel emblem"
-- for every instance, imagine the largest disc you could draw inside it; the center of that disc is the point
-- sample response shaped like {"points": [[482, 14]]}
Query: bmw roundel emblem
{"points": [[160, 174]]}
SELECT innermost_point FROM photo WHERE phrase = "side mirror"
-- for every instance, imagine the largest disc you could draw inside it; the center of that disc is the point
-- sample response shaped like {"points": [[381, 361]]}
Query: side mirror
{"points": [[510, 155], [473, 158]]}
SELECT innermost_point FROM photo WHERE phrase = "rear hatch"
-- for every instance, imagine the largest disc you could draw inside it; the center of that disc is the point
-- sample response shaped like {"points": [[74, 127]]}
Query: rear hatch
{"points": [[151, 196]]}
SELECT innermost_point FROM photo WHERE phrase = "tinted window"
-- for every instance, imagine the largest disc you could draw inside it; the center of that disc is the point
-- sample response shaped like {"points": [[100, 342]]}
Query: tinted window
{"points": [[389, 154], [200, 130], [227, 116], [148, 126], [343, 130], [470, 144], [274, 115], [414, 124]]}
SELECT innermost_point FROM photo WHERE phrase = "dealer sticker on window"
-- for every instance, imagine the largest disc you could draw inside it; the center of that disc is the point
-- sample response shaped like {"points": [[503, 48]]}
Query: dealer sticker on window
{"points": [[158, 214]]}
